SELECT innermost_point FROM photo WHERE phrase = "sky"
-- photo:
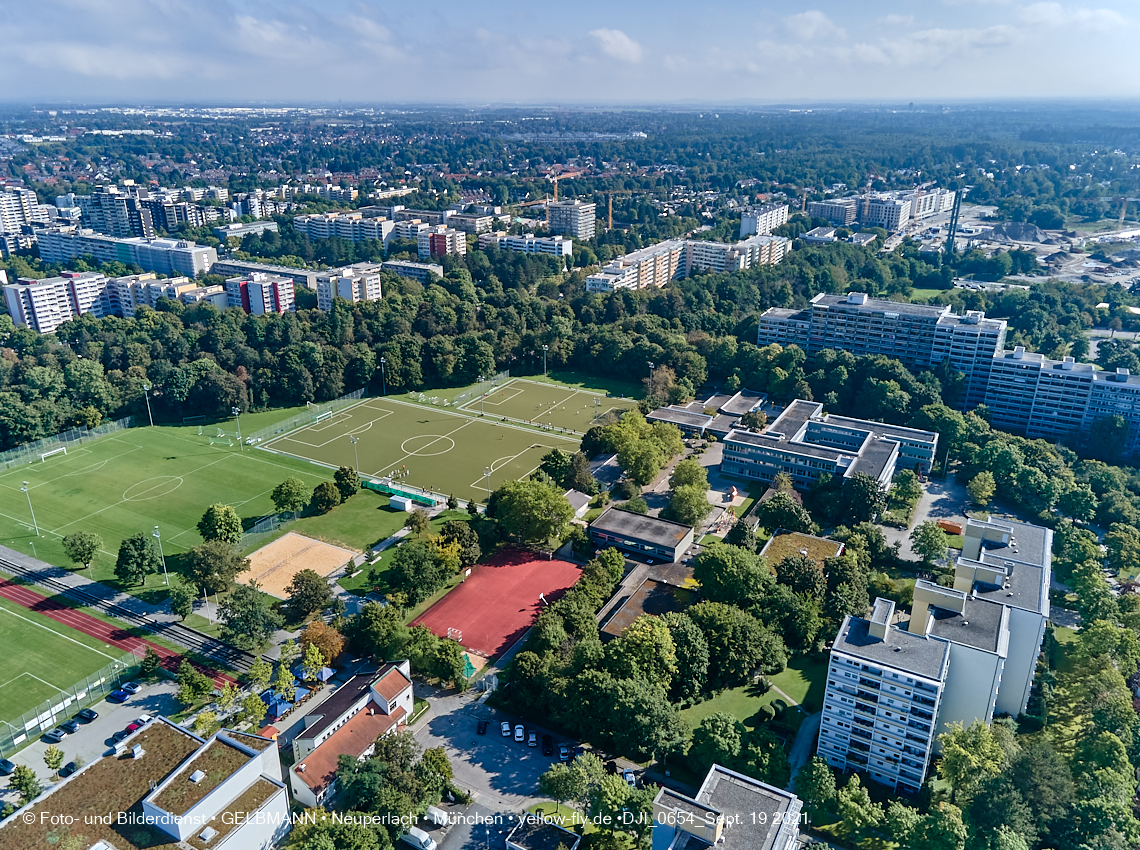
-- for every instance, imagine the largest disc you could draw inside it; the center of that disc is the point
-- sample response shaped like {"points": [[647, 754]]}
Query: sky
{"points": [[585, 52]]}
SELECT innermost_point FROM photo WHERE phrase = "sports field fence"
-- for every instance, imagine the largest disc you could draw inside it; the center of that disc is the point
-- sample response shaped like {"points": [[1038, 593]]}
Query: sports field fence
{"points": [[481, 388], [314, 413], [259, 532], [15, 732], [31, 452]]}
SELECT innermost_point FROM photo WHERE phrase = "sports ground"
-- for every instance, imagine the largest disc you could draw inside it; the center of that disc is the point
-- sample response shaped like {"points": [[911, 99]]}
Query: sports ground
{"points": [[550, 405], [429, 448], [495, 606]]}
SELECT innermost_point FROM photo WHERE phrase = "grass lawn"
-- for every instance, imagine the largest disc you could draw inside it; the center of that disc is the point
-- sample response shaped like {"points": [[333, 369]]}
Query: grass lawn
{"points": [[921, 294], [360, 583], [803, 681], [755, 491], [563, 815], [359, 523], [1065, 637]]}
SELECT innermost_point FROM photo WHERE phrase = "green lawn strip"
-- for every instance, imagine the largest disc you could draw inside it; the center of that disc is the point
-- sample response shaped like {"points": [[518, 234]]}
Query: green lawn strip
{"points": [[359, 523], [804, 679], [742, 703], [754, 492], [1065, 638], [921, 294]]}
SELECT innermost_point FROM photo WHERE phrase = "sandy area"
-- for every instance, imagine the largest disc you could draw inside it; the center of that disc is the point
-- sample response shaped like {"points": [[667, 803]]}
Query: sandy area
{"points": [[274, 565]]}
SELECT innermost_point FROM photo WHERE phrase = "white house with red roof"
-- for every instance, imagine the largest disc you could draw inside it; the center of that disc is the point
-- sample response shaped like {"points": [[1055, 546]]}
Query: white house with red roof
{"points": [[366, 707]]}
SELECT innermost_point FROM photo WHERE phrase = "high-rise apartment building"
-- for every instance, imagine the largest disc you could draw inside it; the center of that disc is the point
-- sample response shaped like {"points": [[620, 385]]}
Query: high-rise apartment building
{"points": [[166, 256], [891, 214], [573, 218], [921, 336], [259, 293], [841, 212], [353, 226], [655, 265], [117, 213], [440, 240], [358, 282], [528, 243], [968, 652], [762, 220], [18, 207], [44, 305]]}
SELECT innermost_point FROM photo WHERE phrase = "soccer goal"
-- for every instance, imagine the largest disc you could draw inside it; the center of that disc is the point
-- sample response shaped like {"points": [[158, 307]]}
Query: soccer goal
{"points": [[62, 450], [320, 417]]}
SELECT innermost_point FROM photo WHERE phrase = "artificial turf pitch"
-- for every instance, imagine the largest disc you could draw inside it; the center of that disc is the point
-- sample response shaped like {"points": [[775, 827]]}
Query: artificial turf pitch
{"points": [[547, 404], [429, 448]]}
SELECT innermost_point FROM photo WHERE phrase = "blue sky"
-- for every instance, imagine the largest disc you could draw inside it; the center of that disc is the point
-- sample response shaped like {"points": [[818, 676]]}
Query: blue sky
{"points": [[628, 51]]}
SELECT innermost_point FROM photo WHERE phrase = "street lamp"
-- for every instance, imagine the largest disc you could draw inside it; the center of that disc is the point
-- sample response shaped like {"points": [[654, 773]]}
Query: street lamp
{"points": [[32, 512], [651, 368], [146, 395], [383, 375], [487, 481], [352, 438], [545, 348], [236, 411], [158, 537], [481, 395]]}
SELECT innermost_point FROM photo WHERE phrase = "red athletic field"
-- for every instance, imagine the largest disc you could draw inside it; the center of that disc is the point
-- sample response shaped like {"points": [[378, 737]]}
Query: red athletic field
{"points": [[116, 636], [499, 601]]}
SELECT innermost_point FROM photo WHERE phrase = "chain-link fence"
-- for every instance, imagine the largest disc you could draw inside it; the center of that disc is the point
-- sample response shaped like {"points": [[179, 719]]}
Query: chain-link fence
{"points": [[481, 388], [15, 732], [314, 413], [259, 532], [31, 452]]}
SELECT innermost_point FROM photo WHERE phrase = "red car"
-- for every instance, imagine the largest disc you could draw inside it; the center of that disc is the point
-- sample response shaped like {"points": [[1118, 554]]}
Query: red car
{"points": [[134, 727]]}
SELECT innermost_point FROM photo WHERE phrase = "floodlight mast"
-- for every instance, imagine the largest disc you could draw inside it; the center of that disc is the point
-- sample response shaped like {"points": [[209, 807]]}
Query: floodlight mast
{"points": [[27, 493], [158, 537], [236, 411]]}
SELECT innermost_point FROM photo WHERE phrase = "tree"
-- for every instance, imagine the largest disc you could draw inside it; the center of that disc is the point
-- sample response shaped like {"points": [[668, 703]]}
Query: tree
{"points": [[783, 511], [259, 674], [289, 653], [856, 808], [907, 486], [53, 758], [328, 640], [213, 565], [561, 783], [863, 498], [380, 630], [802, 573], [731, 575], [531, 511], [150, 663], [929, 541], [738, 642], [182, 596], [285, 683], [754, 420], [193, 685], [23, 779], [901, 822], [138, 558], [416, 571], [452, 503], [81, 547], [220, 522], [291, 495], [248, 619], [689, 473], [717, 740], [460, 532], [642, 460], [815, 785], [308, 593], [312, 661], [940, 829], [254, 709], [419, 522], [435, 761], [1123, 544], [580, 478], [325, 497], [692, 650], [689, 505], [556, 464], [347, 482], [644, 649], [981, 488], [228, 696], [968, 755]]}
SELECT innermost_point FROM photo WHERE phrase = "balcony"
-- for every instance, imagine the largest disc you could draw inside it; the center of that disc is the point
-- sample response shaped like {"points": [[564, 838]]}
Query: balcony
{"points": [[862, 721], [867, 683], [860, 746], [861, 733], [868, 696]]}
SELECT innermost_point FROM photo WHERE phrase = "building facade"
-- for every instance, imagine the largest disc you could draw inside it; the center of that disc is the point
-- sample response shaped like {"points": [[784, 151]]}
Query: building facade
{"points": [[642, 535], [61, 245], [527, 243], [352, 226], [258, 294], [440, 240], [762, 220], [573, 218], [841, 212], [358, 282], [416, 271]]}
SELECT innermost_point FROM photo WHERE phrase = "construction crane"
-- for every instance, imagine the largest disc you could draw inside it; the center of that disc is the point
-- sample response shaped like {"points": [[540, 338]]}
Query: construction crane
{"points": [[867, 198], [610, 205]]}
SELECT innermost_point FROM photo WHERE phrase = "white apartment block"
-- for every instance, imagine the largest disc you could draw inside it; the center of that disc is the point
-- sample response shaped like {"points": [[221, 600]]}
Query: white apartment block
{"points": [[410, 228], [122, 296], [44, 305], [891, 214], [929, 203], [258, 294], [841, 212], [763, 220], [439, 240], [528, 243], [969, 652], [61, 245], [358, 282], [18, 207], [761, 250], [573, 218], [471, 222], [919, 335], [416, 271], [352, 226], [653, 266]]}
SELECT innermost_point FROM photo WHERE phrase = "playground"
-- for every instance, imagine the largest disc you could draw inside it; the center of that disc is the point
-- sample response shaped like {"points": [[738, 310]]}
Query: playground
{"points": [[548, 405], [423, 448], [495, 606]]}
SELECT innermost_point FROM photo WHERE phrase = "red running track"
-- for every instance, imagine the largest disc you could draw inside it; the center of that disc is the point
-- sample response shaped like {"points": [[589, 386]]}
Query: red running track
{"points": [[117, 636], [499, 601]]}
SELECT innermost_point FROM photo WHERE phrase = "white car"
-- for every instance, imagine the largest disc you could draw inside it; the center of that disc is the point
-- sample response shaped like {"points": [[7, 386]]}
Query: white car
{"points": [[131, 688], [506, 727], [520, 733], [143, 719]]}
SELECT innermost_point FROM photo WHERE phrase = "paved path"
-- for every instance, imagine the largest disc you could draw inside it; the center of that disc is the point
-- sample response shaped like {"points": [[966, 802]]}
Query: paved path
{"points": [[940, 500], [801, 748]]}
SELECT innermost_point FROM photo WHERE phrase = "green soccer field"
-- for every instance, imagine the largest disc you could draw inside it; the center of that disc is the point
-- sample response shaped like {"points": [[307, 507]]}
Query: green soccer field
{"points": [[132, 481], [429, 448], [44, 657], [547, 404]]}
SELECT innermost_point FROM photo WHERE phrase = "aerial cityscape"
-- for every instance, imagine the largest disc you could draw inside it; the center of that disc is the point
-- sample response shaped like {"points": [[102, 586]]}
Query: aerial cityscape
{"points": [[619, 428]]}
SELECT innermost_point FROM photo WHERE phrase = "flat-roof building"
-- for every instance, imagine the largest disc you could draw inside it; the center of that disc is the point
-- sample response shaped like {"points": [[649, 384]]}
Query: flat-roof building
{"points": [[573, 218], [300, 277], [354, 283], [643, 535], [840, 211], [240, 229], [528, 243], [536, 833], [762, 220], [259, 293], [416, 271], [62, 244]]}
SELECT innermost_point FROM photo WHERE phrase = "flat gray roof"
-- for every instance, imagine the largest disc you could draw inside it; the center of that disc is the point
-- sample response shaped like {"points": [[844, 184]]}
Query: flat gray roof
{"points": [[874, 456], [742, 402], [753, 809], [534, 833], [979, 625], [784, 313], [1029, 544], [878, 305], [660, 532], [902, 651], [674, 416], [881, 428]]}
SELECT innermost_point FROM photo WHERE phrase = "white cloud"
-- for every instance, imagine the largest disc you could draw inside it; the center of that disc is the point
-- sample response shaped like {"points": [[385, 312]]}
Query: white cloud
{"points": [[929, 46], [1055, 15], [812, 24], [617, 45], [898, 20]]}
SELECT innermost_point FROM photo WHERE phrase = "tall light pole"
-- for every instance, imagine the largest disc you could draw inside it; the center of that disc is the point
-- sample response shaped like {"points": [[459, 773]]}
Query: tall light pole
{"points": [[383, 375], [481, 395], [165, 574], [545, 348], [32, 512], [352, 438], [146, 395], [236, 411], [487, 480], [651, 368]]}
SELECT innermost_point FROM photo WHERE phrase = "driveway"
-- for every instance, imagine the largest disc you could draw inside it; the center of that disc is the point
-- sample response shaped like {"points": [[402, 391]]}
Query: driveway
{"points": [[940, 500], [476, 828]]}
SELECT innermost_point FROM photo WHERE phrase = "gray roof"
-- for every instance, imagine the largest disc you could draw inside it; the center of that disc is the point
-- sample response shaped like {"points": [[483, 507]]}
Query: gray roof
{"points": [[980, 625], [534, 833], [660, 532], [881, 428], [914, 655], [785, 313], [742, 402], [1029, 544], [753, 810], [577, 499], [674, 416], [874, 456], [879, 305]]}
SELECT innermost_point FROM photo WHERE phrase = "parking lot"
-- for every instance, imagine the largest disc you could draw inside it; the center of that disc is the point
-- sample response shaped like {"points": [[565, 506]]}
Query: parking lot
{"points": [[94, 739]]}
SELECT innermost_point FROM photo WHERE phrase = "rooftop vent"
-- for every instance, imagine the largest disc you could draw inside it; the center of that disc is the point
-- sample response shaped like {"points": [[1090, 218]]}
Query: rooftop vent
{"points": [[197, 776], [301, 767], [137, 751], [207, 835], [856, 297], [1019, 352]]}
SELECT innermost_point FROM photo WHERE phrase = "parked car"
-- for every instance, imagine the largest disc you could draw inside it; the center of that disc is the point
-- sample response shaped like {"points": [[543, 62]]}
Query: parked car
{"points": [[547, 745], [563, 752], [87, 715], [418, 839], [68, 769], [532, 741], [482, 730], [55, 735], [72, 726], [506, 729], [6, 767], [520, 733], [630, 777], [132, 688], [134, 727], [143, 719], [120, 735], [118, 695]]}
